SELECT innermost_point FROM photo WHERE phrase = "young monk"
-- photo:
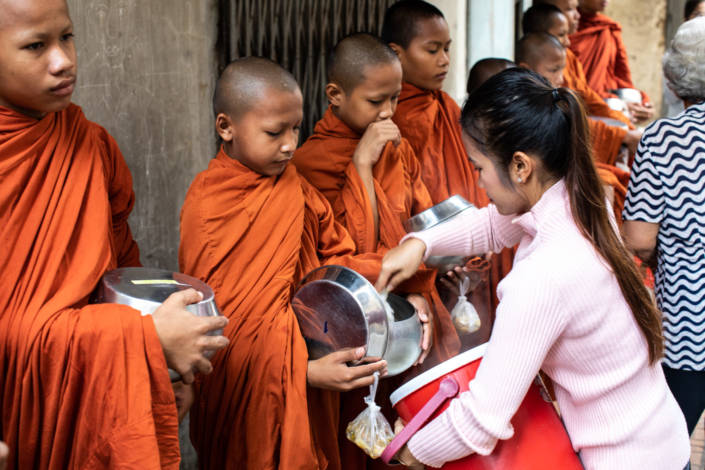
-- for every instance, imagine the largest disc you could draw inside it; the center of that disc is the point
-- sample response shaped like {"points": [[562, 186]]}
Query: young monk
{"points": [[361, 164], [428, 117], [607, 140], [83, 386], [252, 227], [484, 69], [599, 47], [544, 54]]}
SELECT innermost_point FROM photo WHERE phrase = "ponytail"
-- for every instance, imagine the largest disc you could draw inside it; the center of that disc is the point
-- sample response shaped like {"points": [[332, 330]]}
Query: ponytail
{"points": [[517, 110]]}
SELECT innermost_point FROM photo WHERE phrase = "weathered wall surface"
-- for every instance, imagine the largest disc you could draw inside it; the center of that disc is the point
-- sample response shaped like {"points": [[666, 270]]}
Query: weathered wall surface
{"points": [[643, 26], [146, 73]]}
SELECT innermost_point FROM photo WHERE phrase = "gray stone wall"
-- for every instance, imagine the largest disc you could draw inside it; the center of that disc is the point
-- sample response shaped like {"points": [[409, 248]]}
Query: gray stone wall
{"points": [[146, 71]]}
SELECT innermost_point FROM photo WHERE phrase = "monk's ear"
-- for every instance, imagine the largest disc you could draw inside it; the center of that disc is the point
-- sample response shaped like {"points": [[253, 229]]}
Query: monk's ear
{"points": [[225, 128], [524, 65], [398, 50], [334, 93]]}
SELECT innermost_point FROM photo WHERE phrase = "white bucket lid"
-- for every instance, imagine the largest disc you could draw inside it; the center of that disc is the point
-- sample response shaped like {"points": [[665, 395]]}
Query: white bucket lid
{"points": [[437, 372]]}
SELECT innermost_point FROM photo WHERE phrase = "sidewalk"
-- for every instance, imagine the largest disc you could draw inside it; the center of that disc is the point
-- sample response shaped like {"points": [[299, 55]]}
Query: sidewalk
{"points": [[697, 456]]}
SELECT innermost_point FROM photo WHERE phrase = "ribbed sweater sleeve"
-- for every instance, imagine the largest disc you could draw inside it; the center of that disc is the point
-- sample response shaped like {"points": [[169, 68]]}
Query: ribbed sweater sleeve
{"points": [[470, 233], [529, 320]]}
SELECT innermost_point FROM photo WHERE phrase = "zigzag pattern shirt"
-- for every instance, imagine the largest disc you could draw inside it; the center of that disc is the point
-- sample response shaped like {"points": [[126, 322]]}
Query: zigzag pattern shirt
{"points": [[667, 187]]}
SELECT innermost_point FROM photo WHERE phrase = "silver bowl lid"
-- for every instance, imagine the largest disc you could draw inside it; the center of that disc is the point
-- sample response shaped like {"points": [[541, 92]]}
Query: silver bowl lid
{"points": [[338, 309], [442, 211]]}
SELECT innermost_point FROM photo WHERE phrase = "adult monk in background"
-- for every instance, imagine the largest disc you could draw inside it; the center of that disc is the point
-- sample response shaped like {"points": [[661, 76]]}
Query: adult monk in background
{"points": [[369, 173], [82, 386], [599, 47], [252, 227], [429, 118]]}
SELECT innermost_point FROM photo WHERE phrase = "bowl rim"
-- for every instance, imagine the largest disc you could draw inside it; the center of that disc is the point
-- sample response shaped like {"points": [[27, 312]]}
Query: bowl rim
{"points": [[408, 223]]}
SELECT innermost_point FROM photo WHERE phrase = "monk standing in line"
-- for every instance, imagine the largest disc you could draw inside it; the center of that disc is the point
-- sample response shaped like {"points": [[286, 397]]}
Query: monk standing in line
{"points": [[369, 173], [429, 119], [252, 227], [599, 47], [82, 386]]}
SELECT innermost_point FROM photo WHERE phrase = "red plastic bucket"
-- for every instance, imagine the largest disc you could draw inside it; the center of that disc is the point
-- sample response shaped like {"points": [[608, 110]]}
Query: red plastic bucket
{"points": [[540, 441]]}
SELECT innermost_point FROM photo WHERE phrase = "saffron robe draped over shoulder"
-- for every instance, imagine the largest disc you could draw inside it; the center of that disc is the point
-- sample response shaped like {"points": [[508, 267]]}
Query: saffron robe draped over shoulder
{"points": [[83, 386], [326, 162], [430, 121], [599, 47], [253, 238]]}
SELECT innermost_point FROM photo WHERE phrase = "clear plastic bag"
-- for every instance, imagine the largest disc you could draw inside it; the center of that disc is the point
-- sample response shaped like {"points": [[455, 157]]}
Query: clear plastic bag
{"points": [[371, 431], [464, 316]]}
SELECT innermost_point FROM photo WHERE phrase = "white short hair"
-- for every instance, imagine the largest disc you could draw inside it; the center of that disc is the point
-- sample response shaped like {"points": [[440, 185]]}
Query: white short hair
{"points": [[684, 62]]}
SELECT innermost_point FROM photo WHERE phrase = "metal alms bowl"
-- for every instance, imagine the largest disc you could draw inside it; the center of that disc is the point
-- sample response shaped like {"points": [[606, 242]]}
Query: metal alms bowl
{"points": [[338, 309], [437, 214], [628, 95], [145, 289]]}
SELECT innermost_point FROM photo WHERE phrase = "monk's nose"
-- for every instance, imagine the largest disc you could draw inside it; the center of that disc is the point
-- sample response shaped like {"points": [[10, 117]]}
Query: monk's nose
{"points": [[59, 62]]}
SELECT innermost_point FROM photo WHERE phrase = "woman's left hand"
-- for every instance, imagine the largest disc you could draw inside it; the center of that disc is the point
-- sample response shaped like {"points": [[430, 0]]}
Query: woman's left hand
{"points": [[404, 456], [426, 317]]}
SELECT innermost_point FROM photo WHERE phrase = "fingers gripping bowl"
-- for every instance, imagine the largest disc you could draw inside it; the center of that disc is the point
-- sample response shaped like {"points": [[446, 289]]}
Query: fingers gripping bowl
{"points": [[338, 309], [145, 289]]}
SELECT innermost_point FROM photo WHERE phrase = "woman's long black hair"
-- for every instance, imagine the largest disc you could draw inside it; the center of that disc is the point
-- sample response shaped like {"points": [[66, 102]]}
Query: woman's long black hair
{"points": [[518, 111]]}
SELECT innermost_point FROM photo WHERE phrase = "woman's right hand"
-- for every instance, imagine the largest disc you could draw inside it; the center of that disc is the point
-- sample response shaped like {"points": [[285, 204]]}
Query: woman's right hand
{"points": [[331, 372], [183, 335], [400, 263]]}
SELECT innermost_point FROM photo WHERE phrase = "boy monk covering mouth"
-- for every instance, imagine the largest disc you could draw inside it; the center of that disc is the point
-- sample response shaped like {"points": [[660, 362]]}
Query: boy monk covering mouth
{"points": [[82, 386], [359, 161], [252, 227], [429, 118]]}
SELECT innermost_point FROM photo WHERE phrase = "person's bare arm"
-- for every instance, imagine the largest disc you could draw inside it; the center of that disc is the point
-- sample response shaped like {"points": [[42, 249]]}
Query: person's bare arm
{"points": [[4, 454], [640, 238]]}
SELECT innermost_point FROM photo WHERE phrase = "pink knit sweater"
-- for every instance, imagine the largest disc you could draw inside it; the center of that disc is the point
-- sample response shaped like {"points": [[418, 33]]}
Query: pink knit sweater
{"points": [[561, 310]]}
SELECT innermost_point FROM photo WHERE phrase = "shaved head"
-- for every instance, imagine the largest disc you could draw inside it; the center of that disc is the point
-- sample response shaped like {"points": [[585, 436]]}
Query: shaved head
{"points": [[569, 9], [402, 19], [352, 57], [484, 69], [534, 47], [245, 82], [539, 18]]}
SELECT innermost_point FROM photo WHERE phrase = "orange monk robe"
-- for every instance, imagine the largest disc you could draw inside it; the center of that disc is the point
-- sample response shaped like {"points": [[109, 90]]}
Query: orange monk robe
{"points": [[619, 180], [253, 238], [83, 386], [430, 121], [599, 47], [326, 161]]}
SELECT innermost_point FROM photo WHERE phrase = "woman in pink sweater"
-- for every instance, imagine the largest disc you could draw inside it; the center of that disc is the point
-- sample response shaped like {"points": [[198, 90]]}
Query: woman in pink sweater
{"points": [[573, 305]]}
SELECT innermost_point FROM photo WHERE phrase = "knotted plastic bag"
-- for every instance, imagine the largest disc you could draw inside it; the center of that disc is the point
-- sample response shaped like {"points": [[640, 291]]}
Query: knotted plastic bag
{"points": [[464, 316], [371, 431]]}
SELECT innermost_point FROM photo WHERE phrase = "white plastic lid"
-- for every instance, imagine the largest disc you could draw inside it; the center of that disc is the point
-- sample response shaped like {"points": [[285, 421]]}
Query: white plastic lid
{"points": [[437, 372]]}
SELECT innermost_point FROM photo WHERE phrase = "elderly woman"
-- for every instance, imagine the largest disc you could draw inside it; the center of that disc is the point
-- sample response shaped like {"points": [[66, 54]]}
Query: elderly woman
{"points": [[665, 218]]}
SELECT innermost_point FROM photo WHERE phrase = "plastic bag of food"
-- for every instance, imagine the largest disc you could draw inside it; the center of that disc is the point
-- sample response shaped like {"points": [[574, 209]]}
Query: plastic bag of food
{"points": [[464, 316], [371, 431]]}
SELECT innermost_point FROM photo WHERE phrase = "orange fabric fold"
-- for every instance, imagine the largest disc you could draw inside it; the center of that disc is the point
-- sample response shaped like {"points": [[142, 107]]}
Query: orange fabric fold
{"points": [[326, 161], [606, 141], [619, 180], [253, 238], [83, 386], [599, 47], [430, 121]]}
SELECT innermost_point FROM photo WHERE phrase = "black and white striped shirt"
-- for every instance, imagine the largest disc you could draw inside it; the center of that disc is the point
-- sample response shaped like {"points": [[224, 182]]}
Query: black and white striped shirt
{"points": [[667, 187]]}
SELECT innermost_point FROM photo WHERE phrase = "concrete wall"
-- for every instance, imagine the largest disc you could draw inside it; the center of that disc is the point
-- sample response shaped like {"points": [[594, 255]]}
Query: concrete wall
{"points": [[455, 12], [146, 71], [643, 29]]}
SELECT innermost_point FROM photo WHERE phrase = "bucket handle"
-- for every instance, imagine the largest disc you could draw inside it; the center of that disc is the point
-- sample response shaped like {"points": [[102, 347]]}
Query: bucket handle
{"points": [[448, 389]]}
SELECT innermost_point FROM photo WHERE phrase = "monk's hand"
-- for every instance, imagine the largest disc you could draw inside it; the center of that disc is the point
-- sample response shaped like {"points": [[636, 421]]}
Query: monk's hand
{"points": [[640, 112], [373, 141], [400, 263], [332, 372], [4, 455], [404, 456], [454, 279], [183, 335], [631, 140], [185, 397], [426, 317]]}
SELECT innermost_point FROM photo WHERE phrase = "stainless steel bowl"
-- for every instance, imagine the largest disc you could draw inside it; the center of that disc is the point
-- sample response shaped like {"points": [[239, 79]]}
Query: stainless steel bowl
{"points": [[437, 214], [145, 289], [628, 95], [611, 122], [338, 309]]}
